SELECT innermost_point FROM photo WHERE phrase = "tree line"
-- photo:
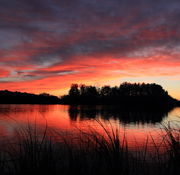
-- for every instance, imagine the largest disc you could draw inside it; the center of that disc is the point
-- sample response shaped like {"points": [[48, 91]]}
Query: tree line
{"points": [[8, 97], [125, 94]]}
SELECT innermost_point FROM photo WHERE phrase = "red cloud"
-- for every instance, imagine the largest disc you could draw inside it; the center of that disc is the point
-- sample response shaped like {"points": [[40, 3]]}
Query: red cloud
{"points": [[3, 73]]}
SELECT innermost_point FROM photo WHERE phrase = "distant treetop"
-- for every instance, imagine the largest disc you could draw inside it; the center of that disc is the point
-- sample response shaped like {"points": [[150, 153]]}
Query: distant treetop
{"points": [[8, 97], [125, 93]]}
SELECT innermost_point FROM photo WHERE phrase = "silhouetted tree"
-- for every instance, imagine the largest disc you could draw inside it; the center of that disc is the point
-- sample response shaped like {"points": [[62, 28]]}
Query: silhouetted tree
{"points": [[126, 94], [8, 97], [106, 91], [74, 91], [45, 94]]}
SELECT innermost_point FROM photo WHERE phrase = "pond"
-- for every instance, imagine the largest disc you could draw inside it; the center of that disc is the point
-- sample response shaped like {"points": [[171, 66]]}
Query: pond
{"points": [[135, 125]]}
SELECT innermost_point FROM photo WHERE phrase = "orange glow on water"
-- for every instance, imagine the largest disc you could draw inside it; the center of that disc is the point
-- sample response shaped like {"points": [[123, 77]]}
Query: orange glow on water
{"points": [[58, 119]]}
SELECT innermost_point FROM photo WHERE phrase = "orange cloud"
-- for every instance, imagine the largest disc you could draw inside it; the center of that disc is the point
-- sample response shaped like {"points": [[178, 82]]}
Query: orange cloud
{"points": [[47, 45], [58, 78]]}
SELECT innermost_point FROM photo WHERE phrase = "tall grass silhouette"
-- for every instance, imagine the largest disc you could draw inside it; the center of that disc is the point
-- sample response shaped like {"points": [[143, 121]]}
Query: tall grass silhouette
{"points": [[88, 152]]}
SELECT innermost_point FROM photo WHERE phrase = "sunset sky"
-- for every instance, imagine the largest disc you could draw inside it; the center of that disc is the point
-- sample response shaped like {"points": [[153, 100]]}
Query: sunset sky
{"points": [[46, 45]]}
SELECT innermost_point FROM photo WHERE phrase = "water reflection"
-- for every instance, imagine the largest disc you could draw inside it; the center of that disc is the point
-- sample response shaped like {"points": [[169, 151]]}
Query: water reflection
{"points": [[137, 124], [125, 116]]}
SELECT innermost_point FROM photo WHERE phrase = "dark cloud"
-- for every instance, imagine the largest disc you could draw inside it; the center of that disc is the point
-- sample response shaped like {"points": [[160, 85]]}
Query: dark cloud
{"points": [[51, 32]]}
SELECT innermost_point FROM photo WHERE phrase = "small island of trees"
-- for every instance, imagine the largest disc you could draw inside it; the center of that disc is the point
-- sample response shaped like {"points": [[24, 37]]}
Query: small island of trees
{"points": [[127, 94]]}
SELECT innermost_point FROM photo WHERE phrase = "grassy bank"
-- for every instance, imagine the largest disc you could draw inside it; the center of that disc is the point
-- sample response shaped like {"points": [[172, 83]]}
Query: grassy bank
{"points": [[52, 152]]}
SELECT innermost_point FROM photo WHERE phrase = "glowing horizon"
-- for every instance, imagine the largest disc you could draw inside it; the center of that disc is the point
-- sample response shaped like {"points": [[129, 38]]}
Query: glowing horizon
{"points": [[48, 45]]}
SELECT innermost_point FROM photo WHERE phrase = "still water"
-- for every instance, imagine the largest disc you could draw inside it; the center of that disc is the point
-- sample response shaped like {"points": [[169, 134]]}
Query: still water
{"points": [[136, 125]]}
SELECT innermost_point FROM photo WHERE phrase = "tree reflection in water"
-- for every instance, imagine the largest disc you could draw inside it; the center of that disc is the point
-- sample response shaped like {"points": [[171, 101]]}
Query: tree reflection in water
{"points": [[125, 115]]}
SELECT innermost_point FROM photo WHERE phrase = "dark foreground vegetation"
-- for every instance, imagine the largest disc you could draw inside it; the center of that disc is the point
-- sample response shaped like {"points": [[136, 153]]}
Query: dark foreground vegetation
{"points": [[88, 153], [8, 97], [126, 94]]}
